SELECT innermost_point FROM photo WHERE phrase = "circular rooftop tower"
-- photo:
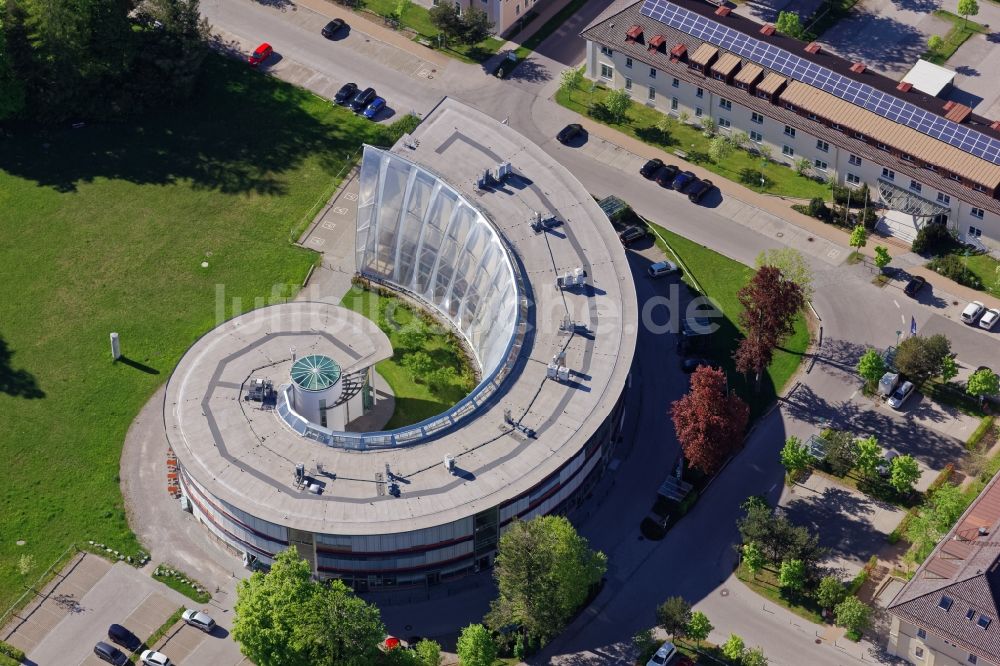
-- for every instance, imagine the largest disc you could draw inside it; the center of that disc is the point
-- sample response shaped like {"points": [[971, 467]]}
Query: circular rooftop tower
{"points": [[316, 386]]}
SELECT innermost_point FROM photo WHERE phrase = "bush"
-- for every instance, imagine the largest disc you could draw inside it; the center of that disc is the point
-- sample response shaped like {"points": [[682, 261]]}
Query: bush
{"points": [[953, 267], [7, 661], [934, 239], [9, 650], [818, 209]]}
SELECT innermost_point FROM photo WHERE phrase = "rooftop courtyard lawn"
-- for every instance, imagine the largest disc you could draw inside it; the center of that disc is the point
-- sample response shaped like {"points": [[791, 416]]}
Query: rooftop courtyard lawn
{"points": [[105, 229], [417, 395]]}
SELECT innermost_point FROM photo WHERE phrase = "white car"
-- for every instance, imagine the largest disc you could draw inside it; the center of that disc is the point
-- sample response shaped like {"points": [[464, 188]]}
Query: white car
{"points": [[972, 311], [901, 395], [199, 620], [989, 319], [663, 655], [661, 268], [151, 658]]}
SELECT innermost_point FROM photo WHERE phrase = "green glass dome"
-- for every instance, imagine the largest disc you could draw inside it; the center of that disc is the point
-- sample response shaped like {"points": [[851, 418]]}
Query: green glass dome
{"points": [[315, 372]]}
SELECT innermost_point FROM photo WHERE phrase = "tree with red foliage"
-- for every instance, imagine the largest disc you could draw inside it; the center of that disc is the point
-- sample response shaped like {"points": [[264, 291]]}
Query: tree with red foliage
{"points": [[709, 422], [770, 302]]}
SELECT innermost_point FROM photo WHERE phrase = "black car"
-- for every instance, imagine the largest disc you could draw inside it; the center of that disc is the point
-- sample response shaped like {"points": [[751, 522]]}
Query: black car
{"points": [[346, 93], [698, 189], [665, 177], [631, 235], [122, 636], [914, 286], [110, 654], [569, 132], [650, 168], [690, 364], [361, 100], [333, 27]]}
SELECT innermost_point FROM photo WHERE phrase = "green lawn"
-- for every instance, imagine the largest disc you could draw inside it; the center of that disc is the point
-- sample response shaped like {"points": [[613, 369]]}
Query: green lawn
{"points": [[960, 31], [722, 278], [641, 120], [415, 401], [418, 19], [987, 269], [765, 583], [105, 229]]}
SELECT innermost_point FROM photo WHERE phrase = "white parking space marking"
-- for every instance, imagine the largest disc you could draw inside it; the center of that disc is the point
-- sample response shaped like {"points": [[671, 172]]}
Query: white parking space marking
{"points": [[351, 196], [317, 241], [340, 210], [329, 225]]}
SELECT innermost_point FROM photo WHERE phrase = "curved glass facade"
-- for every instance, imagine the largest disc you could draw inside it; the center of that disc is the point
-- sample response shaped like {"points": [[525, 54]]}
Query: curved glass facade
{"points": [[418, 234]]}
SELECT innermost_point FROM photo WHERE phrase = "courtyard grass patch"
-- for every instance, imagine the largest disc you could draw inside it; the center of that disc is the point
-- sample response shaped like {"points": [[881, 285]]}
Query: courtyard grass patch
{"points": [[181, 582], [105, 229], [960, 31], [641, 122], [418, 19], [417, 397], [765, 583]]}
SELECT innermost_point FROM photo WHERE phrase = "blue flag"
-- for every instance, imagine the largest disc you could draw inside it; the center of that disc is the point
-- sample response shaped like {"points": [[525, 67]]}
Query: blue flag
{"points": [[913, 326]]}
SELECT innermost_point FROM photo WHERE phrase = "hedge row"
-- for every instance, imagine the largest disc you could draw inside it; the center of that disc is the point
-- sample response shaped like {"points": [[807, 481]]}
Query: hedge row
{"points": [[8, 650]]}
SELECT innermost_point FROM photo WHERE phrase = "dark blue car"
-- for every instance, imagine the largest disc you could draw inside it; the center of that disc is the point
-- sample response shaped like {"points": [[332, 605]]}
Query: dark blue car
{"points": [[374, 108], [682, 180]]}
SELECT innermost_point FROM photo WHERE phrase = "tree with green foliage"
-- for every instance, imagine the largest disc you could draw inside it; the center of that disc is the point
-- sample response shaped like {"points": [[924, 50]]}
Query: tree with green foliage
{"points": [[788, 23], [904, 472], [645, 642], [754, 657], [11, 85], [699, 627], [967, 8], [869, 456], [441, 379], [753, 558], [476, 646], [921, 358], [446, 17], [707, 126], [803, 166], [428, 652], [402, 6], [420, 364], [852, 614], [936, 517], [544, 571], [859, 237], [412, 338], [740, 139], [720, 148], [983, 383], [777, 537], [340, 629], [570, 79], [795, 456], [949, 368], [830, 592], [934, 43], [674, 615], [793, 267], [841, 451], [733, 648], [882, 257], [683, 117], [617, 104], [792, 575], [476, 25]]}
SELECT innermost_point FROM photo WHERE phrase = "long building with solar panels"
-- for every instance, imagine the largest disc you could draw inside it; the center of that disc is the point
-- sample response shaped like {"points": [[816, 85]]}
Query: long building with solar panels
{"points": [[925, 159]]}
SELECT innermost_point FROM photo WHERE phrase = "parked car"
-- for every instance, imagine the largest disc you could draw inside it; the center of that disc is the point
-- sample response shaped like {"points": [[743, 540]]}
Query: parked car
{"points": [[989, 319], [260, 54], [666, 175], [631, 235], [333, 27], [198, 620], [663, 655], [110, 654], [914, 286], [373, 109], [661, 268], [682, 180], [901, 395], [650, 168], [698, 189], [690, 364], [122, 636], [151, 658], [362, 99], [972, 312], [346, 93], [568, 133]]}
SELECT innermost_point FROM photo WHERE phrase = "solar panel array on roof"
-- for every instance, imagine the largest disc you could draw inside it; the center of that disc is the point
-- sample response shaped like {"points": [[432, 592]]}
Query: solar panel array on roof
{"points": [[799, 68]]}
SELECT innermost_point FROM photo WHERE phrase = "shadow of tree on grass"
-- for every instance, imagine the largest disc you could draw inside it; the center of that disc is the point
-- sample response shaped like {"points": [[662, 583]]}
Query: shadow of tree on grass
{"points": [[16, 383]]}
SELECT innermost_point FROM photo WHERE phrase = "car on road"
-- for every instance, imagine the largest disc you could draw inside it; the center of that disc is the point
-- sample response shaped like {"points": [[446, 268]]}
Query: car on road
{"points": [[632, 234], [570, 132], [650, 168], [346, 93], [373, 109], [260, 54], [152, 658], [692, 363], [663, 655], [682, 180], [989, 319], [972, 312], [198, 620], [661, 268], [122, 636], [913, 287], [333, 27], [699, 189], [666, 175], [901, 395], [362, 99], [110, 654]]}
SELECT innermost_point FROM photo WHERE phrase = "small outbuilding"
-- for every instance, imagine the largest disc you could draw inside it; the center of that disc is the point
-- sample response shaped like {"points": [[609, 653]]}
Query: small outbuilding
{"points": [[930, 78]]}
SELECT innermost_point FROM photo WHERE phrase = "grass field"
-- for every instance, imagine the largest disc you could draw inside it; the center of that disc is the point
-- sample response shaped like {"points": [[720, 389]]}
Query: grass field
{"points": [[721, 278], [960, 31], [410, 333], [765, 583], [418, 19], [641, 123], [105, 229]]}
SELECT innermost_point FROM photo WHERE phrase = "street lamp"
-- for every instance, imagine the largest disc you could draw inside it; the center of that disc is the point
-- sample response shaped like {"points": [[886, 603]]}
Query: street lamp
{"points": [[898, 333]]}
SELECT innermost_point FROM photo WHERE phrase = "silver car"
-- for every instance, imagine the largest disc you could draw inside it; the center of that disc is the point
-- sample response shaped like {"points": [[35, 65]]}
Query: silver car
{"points": [[901, 395], [199, 620], [972, 311], [989, 319], [662, 268]]}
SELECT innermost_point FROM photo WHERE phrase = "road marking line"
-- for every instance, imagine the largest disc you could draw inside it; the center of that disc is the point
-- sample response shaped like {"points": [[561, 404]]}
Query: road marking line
{"points": [[329, 225], [896, 303]]}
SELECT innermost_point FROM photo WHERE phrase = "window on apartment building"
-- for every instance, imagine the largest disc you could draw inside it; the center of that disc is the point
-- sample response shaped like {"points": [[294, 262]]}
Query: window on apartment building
{"points": [[673, 103], [955, 177], [763, 95], [853, 179], [888, 174], [788, 151], [606, 51], [606, 72], [652, 92], [984, 621], [718, 76], [921, 633], [930, 167], [698, 112], [976, 213], [906, 157], [835, 126], [676, 83], [820, 164], [969, 614], [756, 136], [859, 135], [919, 652], [517, 12], [725, 104], [724, 122], [790, 107], [652, 72], [916, 187], [944, 198], [881, 146], [628, 62], [789, 131], [855, 160], [628, 84], [757, 118], [822, 145], [699, 93], [978, 188], [812, 116], [975, 232], [946, 601], [973, 659]]}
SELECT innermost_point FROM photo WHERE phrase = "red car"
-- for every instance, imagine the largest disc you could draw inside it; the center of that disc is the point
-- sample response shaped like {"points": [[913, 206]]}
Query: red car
{"points": [[262, 53]]}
